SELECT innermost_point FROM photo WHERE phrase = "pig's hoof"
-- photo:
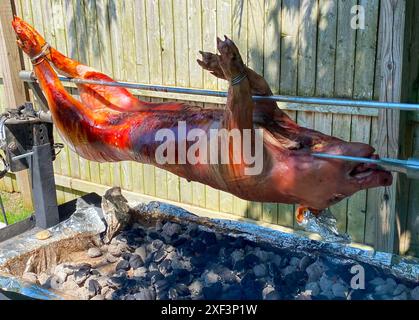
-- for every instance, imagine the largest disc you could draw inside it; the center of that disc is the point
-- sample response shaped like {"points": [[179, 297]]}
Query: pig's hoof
{"points": [[300, 214], [229, 59], [210, 62], [304, 212], [322, 223]]}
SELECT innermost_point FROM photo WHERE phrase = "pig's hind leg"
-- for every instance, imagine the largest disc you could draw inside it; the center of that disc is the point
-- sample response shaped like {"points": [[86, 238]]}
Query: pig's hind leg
{"points": [[238, 116], [239, 113], [258, 84]]}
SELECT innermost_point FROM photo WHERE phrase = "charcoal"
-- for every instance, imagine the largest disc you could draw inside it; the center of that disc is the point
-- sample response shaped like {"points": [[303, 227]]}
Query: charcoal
{"points": [[116, 282], [142, 252], [154, 235], [157, 244], [159, 255], [93, 287], [122, 265], [179, 241], [126, 256], [145, 294], [208, 238], [232, 292], [156, 276], [213, 291], [165, 267], [136, 261], [161, 285], [182, 289], [251, 260]]}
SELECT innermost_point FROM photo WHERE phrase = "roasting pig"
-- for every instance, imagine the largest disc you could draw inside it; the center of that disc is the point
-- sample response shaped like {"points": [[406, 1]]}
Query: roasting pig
{"points": [[109, 124]]}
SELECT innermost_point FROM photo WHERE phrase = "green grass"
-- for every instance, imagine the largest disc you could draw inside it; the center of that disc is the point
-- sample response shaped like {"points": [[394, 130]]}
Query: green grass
{"points": [[15, 211]]}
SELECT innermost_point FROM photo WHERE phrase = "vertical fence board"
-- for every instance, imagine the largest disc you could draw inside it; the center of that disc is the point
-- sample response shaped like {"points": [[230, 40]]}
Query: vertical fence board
{"points": [[142, 75], [82, 55], [361, 126], [94, 61], [344, 75], [116, 49], [289, 46], [255, 40], [209, 15], [255, 60], [411, 244], [360, 132], [272, 43], [169, 76], [155, 42], [272, 62], [239, 29], [224, 27], [393, 24], [271, 66], [288, 76], [155, 69], [239, 25], [180, 11], [105, 55], [71, 44], [25, 11], [59, 26], [130, 178], [195, 42], [196, 75], [326, 55]]}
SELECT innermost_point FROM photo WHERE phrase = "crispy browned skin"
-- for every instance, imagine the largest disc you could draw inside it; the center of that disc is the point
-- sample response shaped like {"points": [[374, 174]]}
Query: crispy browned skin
{"points": [[110, 124]]}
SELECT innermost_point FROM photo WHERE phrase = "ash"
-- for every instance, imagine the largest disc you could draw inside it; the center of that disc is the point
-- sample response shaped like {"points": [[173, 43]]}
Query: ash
{"points": [[182, 261]]}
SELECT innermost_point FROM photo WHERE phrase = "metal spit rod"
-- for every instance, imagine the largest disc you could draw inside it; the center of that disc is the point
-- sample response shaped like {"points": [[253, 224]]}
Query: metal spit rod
{"points": [[28, 76], [409, 167]]}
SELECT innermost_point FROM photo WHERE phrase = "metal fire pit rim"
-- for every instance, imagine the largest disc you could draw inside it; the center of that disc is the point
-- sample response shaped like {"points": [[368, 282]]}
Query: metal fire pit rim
{"points": [[406, 268], [403, 268]]}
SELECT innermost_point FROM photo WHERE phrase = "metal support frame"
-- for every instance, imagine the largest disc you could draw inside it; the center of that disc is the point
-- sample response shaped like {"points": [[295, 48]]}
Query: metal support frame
{"points": [[3, 211], [43, 187], [29, 144]]}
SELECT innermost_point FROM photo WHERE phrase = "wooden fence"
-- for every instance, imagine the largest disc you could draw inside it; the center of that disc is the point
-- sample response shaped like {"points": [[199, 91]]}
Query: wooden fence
{"points": [[302, 47]]}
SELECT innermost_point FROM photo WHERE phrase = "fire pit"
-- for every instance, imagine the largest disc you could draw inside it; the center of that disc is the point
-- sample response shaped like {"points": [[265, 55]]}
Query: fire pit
{"points": [[158, 251]]}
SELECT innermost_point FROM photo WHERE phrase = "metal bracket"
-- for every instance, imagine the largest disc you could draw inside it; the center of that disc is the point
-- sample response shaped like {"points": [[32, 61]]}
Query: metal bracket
{"points": [[43, 187], [21, 130], [28, 143]]}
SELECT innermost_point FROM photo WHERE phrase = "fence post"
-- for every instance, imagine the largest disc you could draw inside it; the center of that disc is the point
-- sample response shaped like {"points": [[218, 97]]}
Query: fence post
{"points": [[15, 93], [392, 27]]}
